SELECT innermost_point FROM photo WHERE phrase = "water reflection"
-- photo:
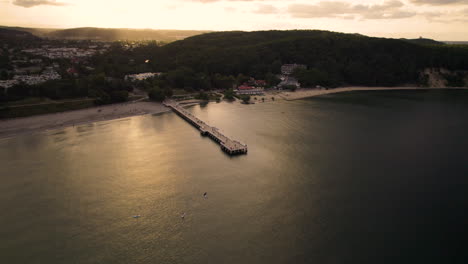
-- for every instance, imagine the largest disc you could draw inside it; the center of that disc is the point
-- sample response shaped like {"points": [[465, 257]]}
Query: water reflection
{"points": [[322, 182]]}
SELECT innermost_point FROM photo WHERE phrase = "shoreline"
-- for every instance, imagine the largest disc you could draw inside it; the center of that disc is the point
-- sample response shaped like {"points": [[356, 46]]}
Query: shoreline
{"points": [[40, 123], [312, 92]]}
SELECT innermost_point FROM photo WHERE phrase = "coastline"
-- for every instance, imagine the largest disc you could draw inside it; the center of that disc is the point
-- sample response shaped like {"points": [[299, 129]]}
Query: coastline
{"points": [[312, 92], [38, 123], [32, 124]]}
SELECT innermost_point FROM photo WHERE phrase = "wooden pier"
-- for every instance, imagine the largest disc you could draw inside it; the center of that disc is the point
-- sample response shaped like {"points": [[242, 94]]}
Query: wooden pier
{"points": [[228, 145]]}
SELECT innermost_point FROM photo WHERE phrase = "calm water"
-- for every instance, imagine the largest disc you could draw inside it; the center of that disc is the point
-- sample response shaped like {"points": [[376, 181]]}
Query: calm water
{"points": [[369, 177]]}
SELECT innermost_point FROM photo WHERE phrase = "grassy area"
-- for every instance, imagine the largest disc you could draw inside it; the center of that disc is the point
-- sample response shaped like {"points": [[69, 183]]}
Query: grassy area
{"points": [[29, 110], [214, 96], [178, 92], [26, 101]]}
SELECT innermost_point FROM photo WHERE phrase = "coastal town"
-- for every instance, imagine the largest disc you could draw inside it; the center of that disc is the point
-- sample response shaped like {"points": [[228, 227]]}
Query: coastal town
{"points": [[33, 66]]}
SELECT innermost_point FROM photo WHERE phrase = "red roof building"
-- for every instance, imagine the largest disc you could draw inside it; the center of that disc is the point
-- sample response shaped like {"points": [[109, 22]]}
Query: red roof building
{"points": [[260, 82], [245, 87]]}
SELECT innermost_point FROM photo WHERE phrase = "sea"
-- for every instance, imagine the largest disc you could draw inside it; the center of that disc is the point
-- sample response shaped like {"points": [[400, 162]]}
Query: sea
{"points": [[358, 177]]}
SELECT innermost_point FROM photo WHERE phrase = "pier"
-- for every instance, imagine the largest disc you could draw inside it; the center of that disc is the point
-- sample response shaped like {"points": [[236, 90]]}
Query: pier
{"points": [[228, 145]]}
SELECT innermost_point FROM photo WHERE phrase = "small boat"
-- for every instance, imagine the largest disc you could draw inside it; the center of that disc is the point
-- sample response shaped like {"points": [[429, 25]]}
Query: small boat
{"points": [[136, 216]]}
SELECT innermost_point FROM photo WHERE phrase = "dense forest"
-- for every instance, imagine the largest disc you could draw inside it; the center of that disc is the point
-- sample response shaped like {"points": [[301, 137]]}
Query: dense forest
{"points": [[332, 58]]}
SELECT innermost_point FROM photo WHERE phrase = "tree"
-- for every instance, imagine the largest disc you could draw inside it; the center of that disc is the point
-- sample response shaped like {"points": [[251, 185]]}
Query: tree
{"points": [[276, 66], [245, 99], [168, 92], [241, 78], [203, 96], [271, 79], [223, 82], [156, 94], [229, 94], [4, 75], [181, 78], [119, 96]]}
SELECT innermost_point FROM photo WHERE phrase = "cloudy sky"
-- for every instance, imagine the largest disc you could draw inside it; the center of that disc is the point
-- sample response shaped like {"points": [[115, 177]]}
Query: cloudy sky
{"points": [[438, 19]]}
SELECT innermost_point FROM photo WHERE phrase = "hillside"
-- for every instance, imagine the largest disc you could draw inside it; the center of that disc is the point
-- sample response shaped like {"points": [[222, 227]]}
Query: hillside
{"points": [[110, 34], [16, 37], [424, 41], [9, 34], [336, 58], [38, 32]]}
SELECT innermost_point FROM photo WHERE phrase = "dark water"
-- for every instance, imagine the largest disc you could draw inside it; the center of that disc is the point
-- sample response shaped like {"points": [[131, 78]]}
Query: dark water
{"points": [[369, 177]]}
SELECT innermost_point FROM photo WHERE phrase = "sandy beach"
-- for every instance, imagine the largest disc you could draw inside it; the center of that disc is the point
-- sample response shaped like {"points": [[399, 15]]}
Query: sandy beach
{"points": [[17, 126], [305, 93]]}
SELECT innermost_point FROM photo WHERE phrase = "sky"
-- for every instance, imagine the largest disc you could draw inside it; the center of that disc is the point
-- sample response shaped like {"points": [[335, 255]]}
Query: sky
{"points": [[437, 19]]}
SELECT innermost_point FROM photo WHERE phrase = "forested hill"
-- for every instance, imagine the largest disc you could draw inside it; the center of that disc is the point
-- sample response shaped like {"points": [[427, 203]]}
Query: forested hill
{"points": [[9, 34], [110, 34], [16, 37], [424, 41], [336, 58]]}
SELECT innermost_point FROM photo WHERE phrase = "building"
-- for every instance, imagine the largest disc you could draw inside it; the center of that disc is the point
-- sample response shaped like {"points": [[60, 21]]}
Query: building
{"points": [[289, 81], [141, 76], [288, 69], [249, 90]]}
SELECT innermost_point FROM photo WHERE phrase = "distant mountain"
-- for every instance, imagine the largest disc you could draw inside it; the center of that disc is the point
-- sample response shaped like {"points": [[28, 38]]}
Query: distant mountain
{"points": [[39, 32], [424, 41], [110, 34], [456, 42], [113, 34], [10, 35]]}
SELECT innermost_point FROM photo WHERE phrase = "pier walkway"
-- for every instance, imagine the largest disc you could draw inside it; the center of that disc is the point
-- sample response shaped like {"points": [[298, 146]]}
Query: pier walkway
{"points": [[228, 145]]}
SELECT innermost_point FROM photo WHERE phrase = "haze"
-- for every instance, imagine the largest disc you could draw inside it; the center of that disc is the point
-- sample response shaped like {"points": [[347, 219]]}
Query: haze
{"points": [[437, 19]]}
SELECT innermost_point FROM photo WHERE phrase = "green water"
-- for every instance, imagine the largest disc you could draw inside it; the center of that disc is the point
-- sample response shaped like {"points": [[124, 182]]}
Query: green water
{"points": [[365, 177]]}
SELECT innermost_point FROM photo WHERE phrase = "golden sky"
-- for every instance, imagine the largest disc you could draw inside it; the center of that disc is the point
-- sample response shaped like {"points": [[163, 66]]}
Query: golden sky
{"points": [[438, 19]]}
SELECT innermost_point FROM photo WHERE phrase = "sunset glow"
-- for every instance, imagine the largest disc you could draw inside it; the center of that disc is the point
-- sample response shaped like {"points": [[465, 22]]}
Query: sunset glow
{"points": [[438, 19]]}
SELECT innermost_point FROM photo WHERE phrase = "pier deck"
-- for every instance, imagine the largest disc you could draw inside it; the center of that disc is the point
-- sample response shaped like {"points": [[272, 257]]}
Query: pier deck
{"points": [[228, 145]]}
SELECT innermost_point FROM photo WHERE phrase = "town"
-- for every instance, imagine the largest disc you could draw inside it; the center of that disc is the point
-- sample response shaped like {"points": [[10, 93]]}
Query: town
{"points": [[36, 65]]}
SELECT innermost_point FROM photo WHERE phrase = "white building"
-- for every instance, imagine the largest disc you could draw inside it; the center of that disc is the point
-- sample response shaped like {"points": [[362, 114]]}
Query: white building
{"points": [[141, 76]]}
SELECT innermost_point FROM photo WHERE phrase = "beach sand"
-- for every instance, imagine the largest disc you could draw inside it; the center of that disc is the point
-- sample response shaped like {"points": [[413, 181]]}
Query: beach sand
{"points": [[18, 126], [305, 93]]}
